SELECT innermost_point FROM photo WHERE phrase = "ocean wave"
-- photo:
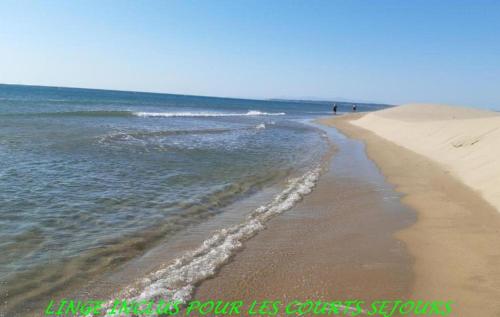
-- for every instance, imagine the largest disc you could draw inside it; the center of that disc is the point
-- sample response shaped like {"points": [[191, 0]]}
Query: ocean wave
{"points": [[128, 113], [177, 281], [207, 114]]}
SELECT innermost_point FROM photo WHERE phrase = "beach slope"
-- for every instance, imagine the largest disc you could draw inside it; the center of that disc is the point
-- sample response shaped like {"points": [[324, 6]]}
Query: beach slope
{"points": [[465, 141], [445, 162]]}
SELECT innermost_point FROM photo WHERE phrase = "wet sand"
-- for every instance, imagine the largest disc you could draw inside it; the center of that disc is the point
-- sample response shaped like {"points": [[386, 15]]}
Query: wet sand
{"points": [[455, 242], [337, 244]]}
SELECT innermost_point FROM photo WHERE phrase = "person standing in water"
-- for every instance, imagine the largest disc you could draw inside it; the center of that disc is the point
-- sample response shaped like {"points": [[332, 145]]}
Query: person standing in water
{"points": [[354, 108], [334, 108]]}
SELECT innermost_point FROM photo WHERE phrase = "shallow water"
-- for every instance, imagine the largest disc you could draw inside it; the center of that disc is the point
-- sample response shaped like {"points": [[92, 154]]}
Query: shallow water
{"points": [[91, 180]]}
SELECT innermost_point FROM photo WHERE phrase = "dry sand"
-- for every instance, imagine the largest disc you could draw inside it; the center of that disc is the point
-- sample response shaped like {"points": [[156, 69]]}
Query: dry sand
{"points": [[446, 162], [464, 141]]}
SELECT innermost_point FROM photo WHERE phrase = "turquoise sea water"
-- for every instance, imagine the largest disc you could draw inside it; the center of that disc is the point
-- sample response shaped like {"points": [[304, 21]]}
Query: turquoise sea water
{"points": [[91, 179]]}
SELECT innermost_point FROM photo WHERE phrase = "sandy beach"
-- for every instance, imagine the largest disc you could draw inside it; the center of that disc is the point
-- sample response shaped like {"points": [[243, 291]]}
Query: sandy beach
{"points": [[443, 160], [343, 242]]}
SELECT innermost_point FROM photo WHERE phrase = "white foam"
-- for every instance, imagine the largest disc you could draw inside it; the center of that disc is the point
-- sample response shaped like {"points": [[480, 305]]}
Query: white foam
{"points": [[177, 281], [206, 114], [260, 126]]}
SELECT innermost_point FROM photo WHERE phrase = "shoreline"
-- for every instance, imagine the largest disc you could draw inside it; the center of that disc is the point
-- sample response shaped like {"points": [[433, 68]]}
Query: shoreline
{"points": [[337, 244], [227, 229], [455, 239]]}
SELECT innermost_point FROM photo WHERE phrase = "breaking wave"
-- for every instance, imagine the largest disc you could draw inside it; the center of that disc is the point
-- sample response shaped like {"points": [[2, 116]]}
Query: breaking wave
{"points": [[177, 281], [126, 113], [206, 114]]}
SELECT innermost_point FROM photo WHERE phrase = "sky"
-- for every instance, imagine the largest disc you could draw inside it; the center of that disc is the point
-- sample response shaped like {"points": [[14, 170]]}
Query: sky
{"points": [[445, 51]]}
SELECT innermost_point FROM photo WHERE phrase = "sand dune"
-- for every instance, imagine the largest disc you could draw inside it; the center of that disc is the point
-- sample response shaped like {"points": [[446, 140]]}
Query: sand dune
{"points": [[464, 141], [454, 243]]}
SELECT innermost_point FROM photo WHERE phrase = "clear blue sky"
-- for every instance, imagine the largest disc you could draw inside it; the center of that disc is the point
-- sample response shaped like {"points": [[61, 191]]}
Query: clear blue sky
{"points": [[386, 51]]}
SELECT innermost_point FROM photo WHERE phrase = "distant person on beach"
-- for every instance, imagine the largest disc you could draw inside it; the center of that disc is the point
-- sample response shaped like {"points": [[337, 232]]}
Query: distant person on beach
{"points": [[334, 108], [354, 108]]}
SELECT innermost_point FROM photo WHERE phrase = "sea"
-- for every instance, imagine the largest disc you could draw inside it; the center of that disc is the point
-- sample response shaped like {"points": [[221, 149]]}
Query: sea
{"points": [[91, 180]]}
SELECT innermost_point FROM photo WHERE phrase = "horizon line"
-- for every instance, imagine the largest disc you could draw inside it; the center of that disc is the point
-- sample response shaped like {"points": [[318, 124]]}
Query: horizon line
{"points": [[275, 99]]}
